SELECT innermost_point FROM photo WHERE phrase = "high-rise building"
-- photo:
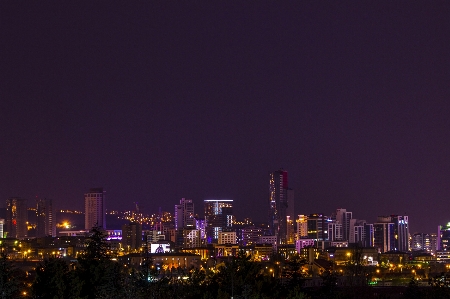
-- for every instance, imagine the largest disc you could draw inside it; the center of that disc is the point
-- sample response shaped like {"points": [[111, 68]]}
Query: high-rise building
{"points": [[443, 237], [335, 231], [16, 217], [279, 196], [94, 207], [45, 224], [318, 227], [343, 217], [400, 231], [200, 225], [184, 214], [132, 236], [290, 230], [302, 226], [383, 234], [2, 223], [361, 233], [433, 242], [218, 218], [401, 226], [421, 242]]}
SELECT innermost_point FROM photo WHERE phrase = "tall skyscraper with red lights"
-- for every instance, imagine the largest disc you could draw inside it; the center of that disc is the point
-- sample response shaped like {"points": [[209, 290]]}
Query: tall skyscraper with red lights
{"points": [[16, 218]]}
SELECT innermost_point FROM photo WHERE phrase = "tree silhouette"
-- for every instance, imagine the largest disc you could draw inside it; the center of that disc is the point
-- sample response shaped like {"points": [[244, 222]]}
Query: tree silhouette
{"points": [[54, 279], [9, 282], [101, 277]]}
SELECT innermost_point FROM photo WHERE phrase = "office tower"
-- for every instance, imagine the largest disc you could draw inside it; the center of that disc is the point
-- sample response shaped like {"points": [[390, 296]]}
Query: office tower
{"points": [[367, 238], [401, 226], [443, 237], [384, 236], [433, 242], [344, 218], [421, 242], [318, 227], [132, 236], [2, 223], [16, 218], [361, 233], [218, 218], [184, 214], [400, 231], [45, 225], [279, 194], [94, 207], [302, 226], [200, 225], [335, 231], [290, 230]]}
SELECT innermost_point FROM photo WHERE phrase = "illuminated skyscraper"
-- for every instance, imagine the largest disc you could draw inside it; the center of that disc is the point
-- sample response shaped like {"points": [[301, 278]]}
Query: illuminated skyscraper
{"points": [[401, 225], [391, 233], [16, 217], [184, 214], [421, 242], [361, 233], [218, 218], [279, 195], [45, 225], [302, 226], [383, 236], [343, 217], [318, 227], [2, 223], [94, 207]]}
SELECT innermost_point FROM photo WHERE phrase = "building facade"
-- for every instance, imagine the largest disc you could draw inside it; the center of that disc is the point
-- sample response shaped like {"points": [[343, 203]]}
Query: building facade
{"points": [[344, 217], [396, 235], [191, 238], [2, 224], [132, 236], [218, 218], [184, 214], [16, 218], [279, 193], [94, 207], [227, 238], [318, 227], [383, 236], [361, 233], [302, 226], [422, 242], [45, 221]]}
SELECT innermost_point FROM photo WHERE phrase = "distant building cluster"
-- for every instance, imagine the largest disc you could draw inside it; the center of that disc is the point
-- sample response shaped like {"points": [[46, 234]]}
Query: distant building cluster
{"points": [[17, 224], [217, 232]]}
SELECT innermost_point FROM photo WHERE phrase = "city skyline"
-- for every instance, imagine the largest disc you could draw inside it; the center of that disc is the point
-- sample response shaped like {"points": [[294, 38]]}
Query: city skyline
{"points": [[94, 193], [161, 101]]}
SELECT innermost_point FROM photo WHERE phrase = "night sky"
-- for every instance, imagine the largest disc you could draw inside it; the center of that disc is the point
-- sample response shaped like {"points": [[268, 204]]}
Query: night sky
{"points": [[155, 101]]}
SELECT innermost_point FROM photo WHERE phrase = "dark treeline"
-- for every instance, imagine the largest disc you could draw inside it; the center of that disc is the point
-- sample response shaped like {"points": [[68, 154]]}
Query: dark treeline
{"points": [[94, 275]]}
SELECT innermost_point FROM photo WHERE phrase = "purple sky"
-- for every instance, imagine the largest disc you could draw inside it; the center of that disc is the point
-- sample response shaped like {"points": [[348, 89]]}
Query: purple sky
{"points": [[157, 101]]}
